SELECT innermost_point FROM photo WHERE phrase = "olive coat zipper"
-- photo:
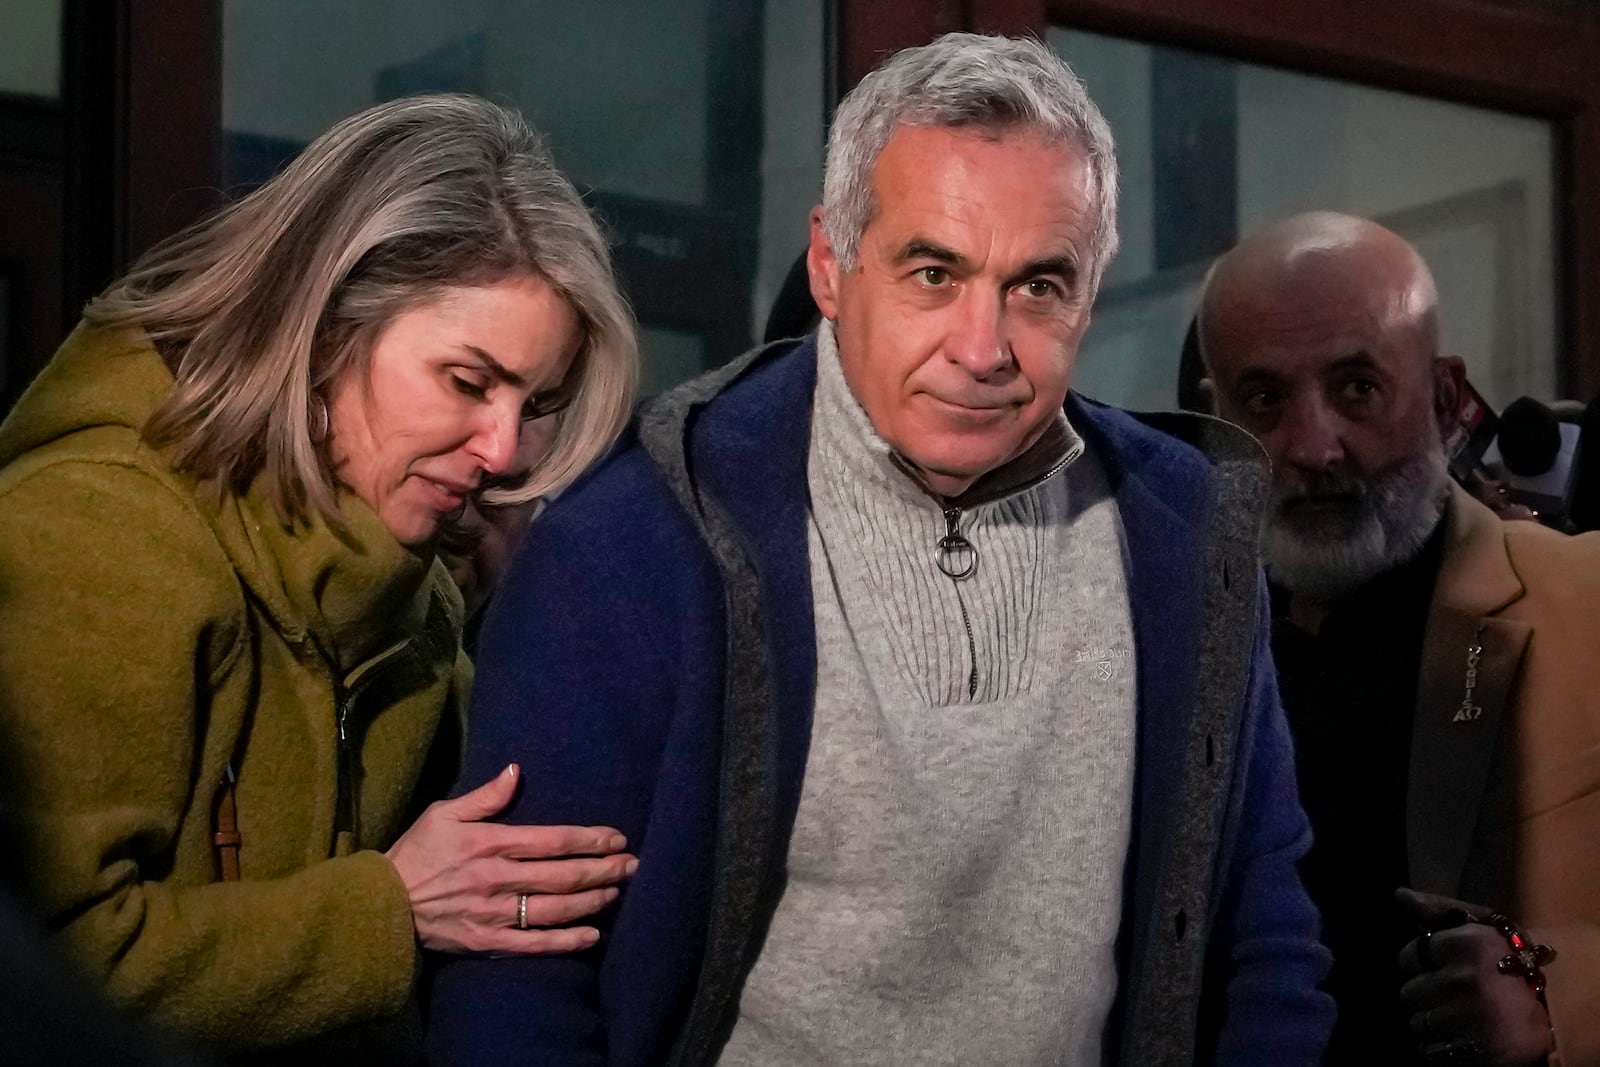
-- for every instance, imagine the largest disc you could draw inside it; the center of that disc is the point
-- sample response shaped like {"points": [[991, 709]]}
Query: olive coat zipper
{"points": [[346, 694]]}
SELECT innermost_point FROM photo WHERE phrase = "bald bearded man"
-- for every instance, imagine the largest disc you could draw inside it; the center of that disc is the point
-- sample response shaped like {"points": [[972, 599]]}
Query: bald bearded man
{"points": [[1435, 664]]}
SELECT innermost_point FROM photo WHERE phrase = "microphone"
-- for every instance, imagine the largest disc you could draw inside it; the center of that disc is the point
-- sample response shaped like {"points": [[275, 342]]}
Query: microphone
{"points": [[1535, 454], [1530, 437]]}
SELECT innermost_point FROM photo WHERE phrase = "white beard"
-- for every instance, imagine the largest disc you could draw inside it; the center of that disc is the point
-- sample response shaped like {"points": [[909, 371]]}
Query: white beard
{"points": [[1326, 557]]}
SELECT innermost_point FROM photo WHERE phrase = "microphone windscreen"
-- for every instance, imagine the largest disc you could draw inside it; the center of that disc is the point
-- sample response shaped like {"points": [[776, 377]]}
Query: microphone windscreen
{"points": [[1530, 437]]}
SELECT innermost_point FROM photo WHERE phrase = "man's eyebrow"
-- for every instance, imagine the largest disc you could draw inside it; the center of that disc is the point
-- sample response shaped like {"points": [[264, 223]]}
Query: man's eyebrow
{"points": [[920, 248], [496, 367], [1358, 360], [1063, 266], [1257, 376]]}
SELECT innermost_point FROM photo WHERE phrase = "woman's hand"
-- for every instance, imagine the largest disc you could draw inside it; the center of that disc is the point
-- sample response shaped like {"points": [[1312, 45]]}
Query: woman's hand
{"points": [[464, 876]]}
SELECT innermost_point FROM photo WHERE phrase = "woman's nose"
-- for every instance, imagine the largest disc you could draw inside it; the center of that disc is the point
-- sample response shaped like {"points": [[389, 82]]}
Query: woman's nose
{"points": [[494, 444]]}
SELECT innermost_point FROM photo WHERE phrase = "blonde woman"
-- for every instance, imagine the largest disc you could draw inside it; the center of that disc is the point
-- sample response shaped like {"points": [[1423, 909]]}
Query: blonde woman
{"points": [[230, 674]]}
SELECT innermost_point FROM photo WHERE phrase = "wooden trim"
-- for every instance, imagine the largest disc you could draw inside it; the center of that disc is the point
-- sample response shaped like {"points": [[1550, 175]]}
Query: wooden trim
{"points": [[1519, 59], [171, 121], [92, 158], [1524, 59], [142, 106], [1579, 195], [868, 31], [31, 259]]}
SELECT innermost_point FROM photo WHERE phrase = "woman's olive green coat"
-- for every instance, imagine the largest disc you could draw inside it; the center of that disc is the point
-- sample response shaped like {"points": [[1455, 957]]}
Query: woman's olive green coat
{"points": [[149, 637]]}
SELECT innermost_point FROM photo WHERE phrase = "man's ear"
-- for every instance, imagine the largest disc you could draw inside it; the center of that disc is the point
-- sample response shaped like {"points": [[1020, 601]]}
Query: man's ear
{"points": [[1208, 389], [822, 266], [1449, 389]]}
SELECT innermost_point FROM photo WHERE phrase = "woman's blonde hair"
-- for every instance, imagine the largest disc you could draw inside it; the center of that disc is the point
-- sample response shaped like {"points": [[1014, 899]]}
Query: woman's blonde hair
{"points": [[259, 308]]}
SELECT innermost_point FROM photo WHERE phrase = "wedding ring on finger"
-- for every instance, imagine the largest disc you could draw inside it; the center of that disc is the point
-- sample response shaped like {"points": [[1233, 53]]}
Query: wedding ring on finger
{"points": [[1425, 955], [522, 911]]}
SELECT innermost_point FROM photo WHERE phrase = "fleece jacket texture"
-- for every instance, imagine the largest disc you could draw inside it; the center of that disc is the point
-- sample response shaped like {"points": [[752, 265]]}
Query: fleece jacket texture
{"points": [[652, 661], [154, 634]]}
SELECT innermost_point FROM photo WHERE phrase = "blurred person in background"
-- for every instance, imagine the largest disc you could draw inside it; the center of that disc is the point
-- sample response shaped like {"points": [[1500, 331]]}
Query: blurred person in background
{"points": [[1435, 661]]}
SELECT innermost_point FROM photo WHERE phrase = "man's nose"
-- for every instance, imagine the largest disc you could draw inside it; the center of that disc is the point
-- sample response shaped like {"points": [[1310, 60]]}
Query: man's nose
{"points": [[1312, 436], [494, 439], [978, 338]]}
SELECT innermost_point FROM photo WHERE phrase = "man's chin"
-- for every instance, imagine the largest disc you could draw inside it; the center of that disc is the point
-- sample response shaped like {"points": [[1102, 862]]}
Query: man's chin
{"points": [[1319, 569], [1322, 525], [1327, 546]]}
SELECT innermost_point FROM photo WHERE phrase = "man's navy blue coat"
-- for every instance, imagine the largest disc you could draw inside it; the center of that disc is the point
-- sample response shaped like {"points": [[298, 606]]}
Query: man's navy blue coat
{"points": [[609, 670]]}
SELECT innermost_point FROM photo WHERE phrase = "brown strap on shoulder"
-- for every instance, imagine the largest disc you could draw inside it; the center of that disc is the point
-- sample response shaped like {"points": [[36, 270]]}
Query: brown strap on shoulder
{"points": [[225, 837]]}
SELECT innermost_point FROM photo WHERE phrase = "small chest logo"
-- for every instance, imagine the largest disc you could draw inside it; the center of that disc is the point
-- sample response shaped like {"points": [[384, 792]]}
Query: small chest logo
{"points": [[1105, 660]]}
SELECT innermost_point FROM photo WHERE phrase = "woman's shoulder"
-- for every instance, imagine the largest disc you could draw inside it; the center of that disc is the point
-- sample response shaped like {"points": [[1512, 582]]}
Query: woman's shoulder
{"points": [[94, 395], [97, 511], [74, 467]]}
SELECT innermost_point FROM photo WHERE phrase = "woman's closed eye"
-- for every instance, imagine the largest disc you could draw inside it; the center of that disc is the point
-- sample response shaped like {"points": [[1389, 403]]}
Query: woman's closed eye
{"points": [[469, 387]]}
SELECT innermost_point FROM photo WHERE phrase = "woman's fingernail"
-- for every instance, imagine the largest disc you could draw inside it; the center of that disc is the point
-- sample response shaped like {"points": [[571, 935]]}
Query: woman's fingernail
{"points": [[629, 867], [612, 893], [510, 771], [590, 936], [616, 843]]}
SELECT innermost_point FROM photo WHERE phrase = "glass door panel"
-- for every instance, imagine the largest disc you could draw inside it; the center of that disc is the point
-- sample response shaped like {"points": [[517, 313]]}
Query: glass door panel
{"points": [[1213, 148], [695, 128]]}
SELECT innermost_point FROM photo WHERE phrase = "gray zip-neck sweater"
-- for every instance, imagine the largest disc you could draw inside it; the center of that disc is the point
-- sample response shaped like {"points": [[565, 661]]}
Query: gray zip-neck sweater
{"points": [[955, 872]]}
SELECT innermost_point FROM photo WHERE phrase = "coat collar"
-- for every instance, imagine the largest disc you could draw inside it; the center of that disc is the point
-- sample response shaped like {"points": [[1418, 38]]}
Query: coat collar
{"points": [[1476, 576], [1470, 661], [351, 592]]}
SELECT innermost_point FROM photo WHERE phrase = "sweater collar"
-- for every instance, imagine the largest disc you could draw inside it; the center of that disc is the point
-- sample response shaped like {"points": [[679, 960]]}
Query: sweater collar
{"points": [[843, 430]]}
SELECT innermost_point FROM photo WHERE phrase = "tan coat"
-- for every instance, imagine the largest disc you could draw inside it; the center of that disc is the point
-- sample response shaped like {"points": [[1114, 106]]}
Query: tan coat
{"points": [[1504, 802], [150, 638]]}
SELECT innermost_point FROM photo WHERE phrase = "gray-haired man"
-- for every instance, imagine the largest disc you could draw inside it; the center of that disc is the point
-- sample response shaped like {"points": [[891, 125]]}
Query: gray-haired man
{"points": [[935, 702]]}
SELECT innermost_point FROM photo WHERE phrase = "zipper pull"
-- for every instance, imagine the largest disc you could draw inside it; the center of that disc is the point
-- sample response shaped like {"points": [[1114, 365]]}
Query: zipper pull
{"points": [[344, 813], [957, 558]]}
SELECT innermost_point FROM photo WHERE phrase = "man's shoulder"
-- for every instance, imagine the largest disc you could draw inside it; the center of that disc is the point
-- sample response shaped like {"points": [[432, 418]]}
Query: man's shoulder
{"points": [[757, 393], [630, 499], [624, 498], [1551, 563]]}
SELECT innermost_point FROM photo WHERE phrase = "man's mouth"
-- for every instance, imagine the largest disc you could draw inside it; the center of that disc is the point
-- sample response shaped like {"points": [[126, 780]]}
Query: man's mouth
{"points": [[1310, 507], [975, 406]]}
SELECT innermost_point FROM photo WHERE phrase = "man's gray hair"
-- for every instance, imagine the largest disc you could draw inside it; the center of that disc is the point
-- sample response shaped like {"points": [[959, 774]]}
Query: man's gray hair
{"points": [[965, 80]]}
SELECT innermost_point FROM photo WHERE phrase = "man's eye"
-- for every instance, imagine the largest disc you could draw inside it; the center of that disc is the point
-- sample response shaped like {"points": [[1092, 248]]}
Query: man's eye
{"points": [[1262, 402], [1041, 288], [934, 277], [468, 387], [1359, 388]]}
